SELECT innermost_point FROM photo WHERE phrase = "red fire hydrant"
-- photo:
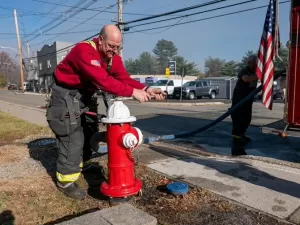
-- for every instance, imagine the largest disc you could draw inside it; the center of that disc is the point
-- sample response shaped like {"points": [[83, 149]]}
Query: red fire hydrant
{"points": [[122, 139]]}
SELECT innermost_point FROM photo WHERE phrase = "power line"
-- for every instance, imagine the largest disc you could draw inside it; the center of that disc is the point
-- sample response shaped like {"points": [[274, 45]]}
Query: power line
{"points": [[110, 6], [172, 25], [193, 14], [55, 19], [207, 18], [175, 11], [61, 22], [95, 9], [61, 50], [51, 9]]}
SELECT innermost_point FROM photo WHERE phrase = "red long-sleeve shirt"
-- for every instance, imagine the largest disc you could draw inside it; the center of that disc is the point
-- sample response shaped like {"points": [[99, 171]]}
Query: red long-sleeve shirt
{"points": [[83, 65]]}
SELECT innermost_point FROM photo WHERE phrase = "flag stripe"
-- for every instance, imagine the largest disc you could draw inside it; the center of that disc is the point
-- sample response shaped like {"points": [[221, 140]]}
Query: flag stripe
{"points": [[266, 55]]}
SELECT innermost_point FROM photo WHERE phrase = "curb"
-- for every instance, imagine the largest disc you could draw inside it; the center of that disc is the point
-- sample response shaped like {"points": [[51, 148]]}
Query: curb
{"points": [[26, 107], [28, 93], [185, 104]]}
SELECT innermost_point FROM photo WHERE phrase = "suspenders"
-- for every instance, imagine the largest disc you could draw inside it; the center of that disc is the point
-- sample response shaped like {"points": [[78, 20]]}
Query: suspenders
{"points": [[109, 65]]}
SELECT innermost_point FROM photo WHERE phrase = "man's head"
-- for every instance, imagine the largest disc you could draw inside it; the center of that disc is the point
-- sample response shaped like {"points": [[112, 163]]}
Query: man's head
{"points": [[110, 40], [252, 59]]}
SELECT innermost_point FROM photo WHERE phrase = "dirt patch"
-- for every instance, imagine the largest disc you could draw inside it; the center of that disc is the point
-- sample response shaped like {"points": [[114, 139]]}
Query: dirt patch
{"points": [[13, 153], [12, 129]]}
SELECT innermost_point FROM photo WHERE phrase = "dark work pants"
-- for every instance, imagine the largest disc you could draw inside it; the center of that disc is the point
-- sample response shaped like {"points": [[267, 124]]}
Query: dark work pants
{"points": [[73, 139], [241, 118]]}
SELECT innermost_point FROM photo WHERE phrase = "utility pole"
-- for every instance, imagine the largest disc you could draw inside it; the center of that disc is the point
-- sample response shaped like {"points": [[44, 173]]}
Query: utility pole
{"points": [[19, 51], [120, 21]]}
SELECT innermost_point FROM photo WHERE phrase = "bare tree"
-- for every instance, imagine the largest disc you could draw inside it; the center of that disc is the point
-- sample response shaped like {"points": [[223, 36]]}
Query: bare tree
{"points": [[7, 64]]}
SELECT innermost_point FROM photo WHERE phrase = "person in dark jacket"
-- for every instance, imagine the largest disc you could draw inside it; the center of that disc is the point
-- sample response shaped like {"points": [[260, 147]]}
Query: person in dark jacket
{"points": [[89, 66], [241, 117]]}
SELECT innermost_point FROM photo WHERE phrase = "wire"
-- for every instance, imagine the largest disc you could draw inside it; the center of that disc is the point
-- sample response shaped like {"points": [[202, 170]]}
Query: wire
{"points": [[192, 14], [95, 9], [207, 18], [175, 11], [54, 20], [110, 6], [160, 27]]}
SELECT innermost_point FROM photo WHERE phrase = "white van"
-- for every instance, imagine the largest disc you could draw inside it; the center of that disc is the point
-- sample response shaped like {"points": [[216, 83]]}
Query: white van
{"points": [[168, 85]]}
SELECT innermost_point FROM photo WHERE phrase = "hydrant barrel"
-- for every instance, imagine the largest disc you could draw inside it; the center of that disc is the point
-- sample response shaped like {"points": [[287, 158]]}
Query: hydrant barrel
{"points": [[121, 178]]}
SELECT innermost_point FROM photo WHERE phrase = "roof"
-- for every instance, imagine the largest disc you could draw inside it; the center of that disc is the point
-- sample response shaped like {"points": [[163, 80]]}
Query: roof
{"points": [[220, 78]]}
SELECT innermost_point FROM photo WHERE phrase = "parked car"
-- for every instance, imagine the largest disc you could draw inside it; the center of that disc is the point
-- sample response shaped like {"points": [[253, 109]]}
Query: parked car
{"points": [[168, 85], [12, 87], [26, 86], [277, 91], [196, 89]]}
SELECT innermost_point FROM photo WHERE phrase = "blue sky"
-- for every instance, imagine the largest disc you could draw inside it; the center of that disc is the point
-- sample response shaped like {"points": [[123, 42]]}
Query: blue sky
{"points": [[227, 37]]}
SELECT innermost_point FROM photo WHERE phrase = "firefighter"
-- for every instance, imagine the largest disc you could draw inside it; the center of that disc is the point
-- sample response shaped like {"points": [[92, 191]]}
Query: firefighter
{"points": [[89, 66], [241, 117]]}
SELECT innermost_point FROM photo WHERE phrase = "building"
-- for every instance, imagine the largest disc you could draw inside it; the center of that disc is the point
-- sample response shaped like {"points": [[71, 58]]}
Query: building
{"points": [[48, 58], [31, 68]]}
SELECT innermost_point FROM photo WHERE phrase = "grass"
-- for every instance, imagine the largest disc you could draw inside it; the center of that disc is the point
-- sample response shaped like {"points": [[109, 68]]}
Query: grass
{"points": [[12, 129]]}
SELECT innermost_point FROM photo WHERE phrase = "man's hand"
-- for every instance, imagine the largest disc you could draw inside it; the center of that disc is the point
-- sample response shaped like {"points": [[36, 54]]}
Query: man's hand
{"points": [[141, 95], [157, 93]]}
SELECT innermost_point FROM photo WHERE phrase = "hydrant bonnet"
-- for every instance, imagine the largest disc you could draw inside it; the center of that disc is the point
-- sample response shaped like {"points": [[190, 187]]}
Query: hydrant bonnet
{"points": [[118, 112]]}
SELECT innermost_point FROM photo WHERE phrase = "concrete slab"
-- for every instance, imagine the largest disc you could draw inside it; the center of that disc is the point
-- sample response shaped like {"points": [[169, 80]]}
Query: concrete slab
{"points": [[126, 214], [123, 214], [271, 188], [88, 219]]}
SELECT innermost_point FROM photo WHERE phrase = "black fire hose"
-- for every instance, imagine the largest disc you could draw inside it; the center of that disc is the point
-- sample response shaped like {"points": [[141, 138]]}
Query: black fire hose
{"points": [[103, 149]]}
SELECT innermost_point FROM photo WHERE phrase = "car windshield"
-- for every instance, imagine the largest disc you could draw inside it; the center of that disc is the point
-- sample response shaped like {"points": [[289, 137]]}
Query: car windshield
{"points": [[188, 84], [160, 83]]}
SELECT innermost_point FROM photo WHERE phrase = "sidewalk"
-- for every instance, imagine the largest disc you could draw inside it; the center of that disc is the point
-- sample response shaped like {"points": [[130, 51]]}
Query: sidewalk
{"points": [[264, 186]]}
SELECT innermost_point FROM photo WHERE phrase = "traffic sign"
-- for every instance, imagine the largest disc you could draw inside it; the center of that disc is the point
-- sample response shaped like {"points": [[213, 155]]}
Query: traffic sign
{"points": [[167, 72]]}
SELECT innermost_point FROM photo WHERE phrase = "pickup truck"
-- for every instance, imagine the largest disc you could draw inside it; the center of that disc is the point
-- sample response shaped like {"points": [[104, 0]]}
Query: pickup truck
{"points": [[196, 89]]}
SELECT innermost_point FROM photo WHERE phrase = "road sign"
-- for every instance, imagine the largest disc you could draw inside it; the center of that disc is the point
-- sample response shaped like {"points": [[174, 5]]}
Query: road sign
{"points": [[167, 72], [172, 66]]}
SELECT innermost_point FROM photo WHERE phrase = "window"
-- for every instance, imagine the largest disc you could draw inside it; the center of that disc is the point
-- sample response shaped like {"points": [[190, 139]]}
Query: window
{"points": [[48, 63], [189, 84], [199, 84], [160, 83], [171, 83], [205, 84], [40, 65]]}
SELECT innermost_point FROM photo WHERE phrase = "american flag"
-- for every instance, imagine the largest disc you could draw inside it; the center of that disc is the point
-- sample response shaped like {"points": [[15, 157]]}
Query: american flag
{"points": [[267, 53]]}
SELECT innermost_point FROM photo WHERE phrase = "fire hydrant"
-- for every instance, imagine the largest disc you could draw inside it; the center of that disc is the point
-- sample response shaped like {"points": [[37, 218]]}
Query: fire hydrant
{"points": [[122, 139]]}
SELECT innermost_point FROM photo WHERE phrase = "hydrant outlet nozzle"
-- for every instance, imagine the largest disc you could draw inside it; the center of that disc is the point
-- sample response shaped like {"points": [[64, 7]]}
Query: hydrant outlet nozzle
{"points": [[129, 140]]}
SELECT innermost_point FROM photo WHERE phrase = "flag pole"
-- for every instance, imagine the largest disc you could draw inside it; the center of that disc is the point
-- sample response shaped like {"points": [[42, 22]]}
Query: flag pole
{"points": [[277, 33]]}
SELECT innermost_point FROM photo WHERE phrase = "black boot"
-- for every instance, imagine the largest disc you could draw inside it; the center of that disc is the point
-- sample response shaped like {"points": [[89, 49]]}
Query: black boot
{"points": [[72, 190], [238, 147]]}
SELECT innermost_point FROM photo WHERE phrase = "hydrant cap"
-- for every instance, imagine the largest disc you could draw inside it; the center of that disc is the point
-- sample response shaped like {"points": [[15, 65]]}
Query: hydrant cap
{"points": [[118, 112]]}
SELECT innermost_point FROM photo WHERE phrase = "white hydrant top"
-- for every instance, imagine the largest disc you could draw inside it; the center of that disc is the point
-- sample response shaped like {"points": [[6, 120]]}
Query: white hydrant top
{"points": [[118, 112]]}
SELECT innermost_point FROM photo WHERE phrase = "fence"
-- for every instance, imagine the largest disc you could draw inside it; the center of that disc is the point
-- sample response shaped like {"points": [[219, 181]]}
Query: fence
{"points": [[226, 87]]}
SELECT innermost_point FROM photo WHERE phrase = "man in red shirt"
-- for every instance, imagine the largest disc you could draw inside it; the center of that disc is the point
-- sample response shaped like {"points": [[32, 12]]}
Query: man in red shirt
{"points": [[89, 66]]}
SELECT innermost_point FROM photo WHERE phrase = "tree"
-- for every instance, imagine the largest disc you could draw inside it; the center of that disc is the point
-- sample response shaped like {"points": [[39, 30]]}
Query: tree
{"points": [[3, 80], [7, 64], [283, 53], [146, 64], [230, 68], [164, 51], [131, 66], [190, 67], [244, 61], [213, 66]]}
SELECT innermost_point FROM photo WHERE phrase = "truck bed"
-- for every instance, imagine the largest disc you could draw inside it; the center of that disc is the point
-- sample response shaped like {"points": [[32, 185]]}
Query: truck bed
{"points": [[278, 127]]}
